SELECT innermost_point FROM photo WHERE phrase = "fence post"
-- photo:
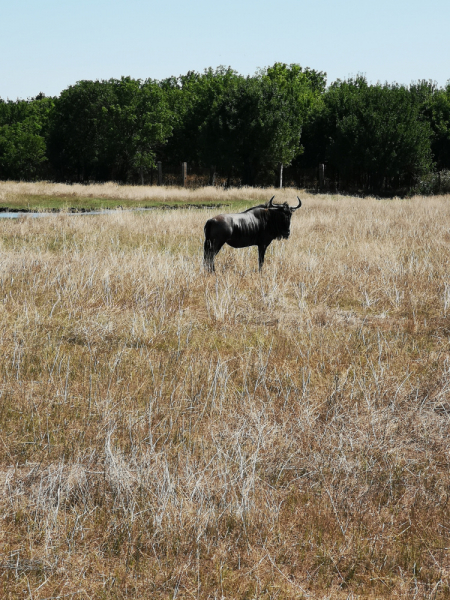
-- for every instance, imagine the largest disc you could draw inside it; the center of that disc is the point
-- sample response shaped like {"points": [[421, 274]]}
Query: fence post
{"points": [[321, 176], [281, 175], [183, 173], [160, 179]]}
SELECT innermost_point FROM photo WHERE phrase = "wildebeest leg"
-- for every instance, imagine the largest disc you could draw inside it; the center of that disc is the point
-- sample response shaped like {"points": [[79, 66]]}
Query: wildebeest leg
{"points": [[261, 253]]}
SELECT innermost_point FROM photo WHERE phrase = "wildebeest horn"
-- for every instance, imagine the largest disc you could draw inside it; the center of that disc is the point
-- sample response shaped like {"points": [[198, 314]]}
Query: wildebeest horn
{"points": [[271, 201], [298, 205]]}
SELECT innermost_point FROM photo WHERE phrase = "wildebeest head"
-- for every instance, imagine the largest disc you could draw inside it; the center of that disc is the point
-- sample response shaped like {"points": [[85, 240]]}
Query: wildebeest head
{"points": [[280, 217]]}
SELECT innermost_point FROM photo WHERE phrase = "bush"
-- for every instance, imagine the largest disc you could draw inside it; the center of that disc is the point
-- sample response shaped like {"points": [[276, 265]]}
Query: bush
{"points": [[433, 183]]}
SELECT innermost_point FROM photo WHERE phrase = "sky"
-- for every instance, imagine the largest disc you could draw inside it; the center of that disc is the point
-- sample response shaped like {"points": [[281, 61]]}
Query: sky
{"points": [[47, 45]]}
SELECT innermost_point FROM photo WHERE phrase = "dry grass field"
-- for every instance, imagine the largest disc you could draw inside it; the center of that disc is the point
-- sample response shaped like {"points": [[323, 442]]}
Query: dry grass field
{"points": [[43, 196], [168, 433]]}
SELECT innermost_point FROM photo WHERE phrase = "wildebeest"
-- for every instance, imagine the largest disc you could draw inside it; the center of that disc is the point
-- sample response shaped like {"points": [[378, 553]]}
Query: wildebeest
{"points": [[257, 226]]}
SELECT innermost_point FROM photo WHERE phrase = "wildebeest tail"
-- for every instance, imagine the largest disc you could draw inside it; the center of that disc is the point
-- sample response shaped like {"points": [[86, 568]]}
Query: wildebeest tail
{"points": [[207, 229], [208, 246], [208, 255], [208, 241]]}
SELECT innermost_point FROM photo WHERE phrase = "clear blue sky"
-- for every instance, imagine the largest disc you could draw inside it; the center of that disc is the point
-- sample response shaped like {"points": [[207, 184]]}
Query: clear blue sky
{"points": [[47, 45]]}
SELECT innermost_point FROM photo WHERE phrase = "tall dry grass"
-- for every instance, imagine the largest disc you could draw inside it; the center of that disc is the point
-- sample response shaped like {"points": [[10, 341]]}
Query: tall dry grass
{"points": [[166, 433]]}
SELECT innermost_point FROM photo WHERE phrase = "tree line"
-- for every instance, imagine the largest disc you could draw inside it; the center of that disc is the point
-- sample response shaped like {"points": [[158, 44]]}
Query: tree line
{"points": [[370, 137]]}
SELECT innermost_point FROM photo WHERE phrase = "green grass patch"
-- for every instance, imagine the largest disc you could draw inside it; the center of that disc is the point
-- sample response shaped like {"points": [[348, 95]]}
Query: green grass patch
{"points": [[45, 203]]}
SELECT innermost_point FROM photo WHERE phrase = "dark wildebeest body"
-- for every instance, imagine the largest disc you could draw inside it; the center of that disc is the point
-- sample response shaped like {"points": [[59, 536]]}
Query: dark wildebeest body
{"points": [[257, 226]]}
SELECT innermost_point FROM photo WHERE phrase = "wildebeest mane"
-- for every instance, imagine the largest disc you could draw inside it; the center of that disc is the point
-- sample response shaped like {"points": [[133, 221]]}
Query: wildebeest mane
{"points": [[272, 214], [275, 206], [254, 207]]}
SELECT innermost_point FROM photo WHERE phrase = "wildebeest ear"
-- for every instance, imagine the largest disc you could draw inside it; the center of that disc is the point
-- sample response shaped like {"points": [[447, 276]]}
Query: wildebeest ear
{"points": [[270, 203]]}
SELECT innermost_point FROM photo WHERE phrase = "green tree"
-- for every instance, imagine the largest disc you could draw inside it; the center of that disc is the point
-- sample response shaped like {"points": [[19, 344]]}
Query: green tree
{"points": [[79, 131], [141, 123], [440, 124], [256, 123], [434, 103], [23, 127], [304, 88], [370, 134], [109, 129], [191, 98]]}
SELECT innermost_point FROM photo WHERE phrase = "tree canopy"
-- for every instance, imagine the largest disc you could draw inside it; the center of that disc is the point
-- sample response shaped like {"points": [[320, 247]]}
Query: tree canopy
{"points": [[368, 136], [108, 129], [371, 133], [23, 132]]}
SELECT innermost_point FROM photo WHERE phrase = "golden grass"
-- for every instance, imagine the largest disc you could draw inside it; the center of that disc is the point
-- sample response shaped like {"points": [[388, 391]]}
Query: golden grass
{"points": [[166, 433], [44, 195]]}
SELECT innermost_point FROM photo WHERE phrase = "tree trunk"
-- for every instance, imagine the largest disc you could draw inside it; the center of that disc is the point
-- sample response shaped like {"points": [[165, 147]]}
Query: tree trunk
{"points": [[212, 175]]}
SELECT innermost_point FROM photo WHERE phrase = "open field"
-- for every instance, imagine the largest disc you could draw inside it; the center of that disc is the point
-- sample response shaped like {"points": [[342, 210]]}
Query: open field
{"points": [[167, 433], [44, 196]]}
